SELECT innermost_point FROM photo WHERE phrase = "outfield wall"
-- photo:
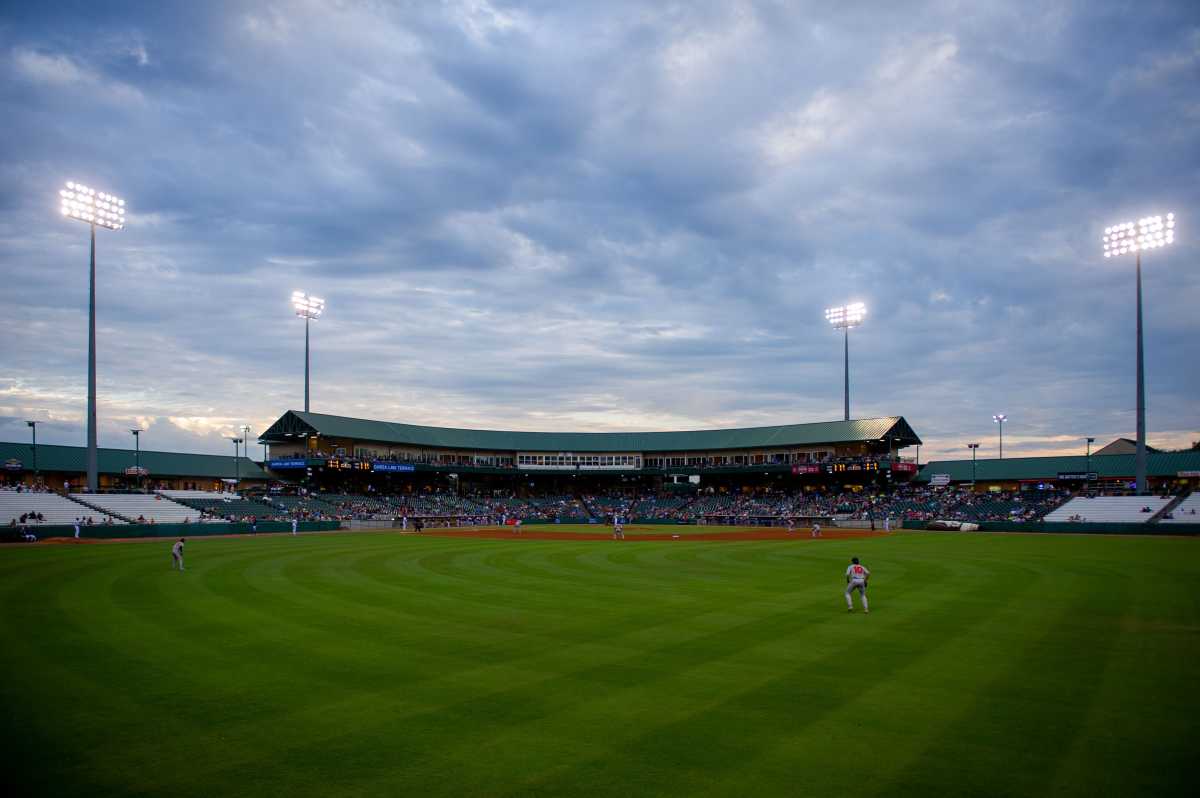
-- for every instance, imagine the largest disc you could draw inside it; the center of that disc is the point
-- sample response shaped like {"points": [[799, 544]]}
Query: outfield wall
{"points": [[1078, 528], [98, 532]]}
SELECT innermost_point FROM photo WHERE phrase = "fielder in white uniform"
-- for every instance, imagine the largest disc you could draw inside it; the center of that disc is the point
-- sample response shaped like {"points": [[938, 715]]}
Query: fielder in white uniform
{"points": [[856, 579], [618, 528], [295, 524], [177, 555]]}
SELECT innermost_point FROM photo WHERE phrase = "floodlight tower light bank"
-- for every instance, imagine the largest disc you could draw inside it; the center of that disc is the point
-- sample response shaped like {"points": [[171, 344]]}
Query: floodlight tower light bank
{"points": [[843, 318], [94, 208], [1150, 232], [308, 308]]}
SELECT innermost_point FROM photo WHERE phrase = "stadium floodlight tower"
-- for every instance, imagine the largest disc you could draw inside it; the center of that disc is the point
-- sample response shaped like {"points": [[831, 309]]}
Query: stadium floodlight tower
{"points": [[308, 308], [1150, 232], [1000, 418], [843, 318], [95, 208]]}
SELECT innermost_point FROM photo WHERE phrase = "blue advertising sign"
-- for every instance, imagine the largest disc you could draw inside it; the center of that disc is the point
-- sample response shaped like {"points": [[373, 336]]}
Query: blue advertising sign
{"points": [[382, 466], [287, 462]]}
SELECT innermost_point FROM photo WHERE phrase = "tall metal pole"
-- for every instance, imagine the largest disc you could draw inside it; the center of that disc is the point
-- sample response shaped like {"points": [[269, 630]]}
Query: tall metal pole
{"points": [[33, 427], [305, 364], [847, 331], [1139, 462], [93, 479], [1001, 423], [237, 472]]}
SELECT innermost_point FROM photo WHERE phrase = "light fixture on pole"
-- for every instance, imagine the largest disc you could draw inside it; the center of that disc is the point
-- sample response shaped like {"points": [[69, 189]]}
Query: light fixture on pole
{"points": [[245, 428], [1150, 232], [237, 474], [1000, 418], [843, 318], [308, 308], [94, 208], [972, 447], [1090, 441], [33, 428]]}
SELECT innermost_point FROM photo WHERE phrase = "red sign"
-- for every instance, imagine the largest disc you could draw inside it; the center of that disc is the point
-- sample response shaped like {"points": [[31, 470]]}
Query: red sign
{"points": [[905, 468], [806, 469]]}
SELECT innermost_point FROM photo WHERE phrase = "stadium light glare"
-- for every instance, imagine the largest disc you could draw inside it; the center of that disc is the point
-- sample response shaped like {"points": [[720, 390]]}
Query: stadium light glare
{"points": [[307, 307], [82, 203], [843, 317], [1149, 232]]}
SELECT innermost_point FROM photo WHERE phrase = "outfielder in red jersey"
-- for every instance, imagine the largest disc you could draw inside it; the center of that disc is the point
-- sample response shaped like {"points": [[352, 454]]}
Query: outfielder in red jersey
{"points": [[856, 579]]}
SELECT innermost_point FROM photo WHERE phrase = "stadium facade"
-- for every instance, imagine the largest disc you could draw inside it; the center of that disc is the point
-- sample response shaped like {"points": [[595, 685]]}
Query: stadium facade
{"points": [[327, 449]]}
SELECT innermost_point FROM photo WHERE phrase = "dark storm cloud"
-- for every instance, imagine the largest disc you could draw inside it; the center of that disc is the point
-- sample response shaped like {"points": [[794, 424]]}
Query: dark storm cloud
{"points": [[600, 216]]}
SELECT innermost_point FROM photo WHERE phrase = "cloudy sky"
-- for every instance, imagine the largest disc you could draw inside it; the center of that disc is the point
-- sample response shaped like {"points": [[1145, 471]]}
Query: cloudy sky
{"points": [[601, 216]]}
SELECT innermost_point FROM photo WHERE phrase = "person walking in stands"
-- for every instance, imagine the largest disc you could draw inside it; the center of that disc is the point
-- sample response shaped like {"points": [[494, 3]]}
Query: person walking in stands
{"points": [[295, 524], [856, 579], [177, 555]]}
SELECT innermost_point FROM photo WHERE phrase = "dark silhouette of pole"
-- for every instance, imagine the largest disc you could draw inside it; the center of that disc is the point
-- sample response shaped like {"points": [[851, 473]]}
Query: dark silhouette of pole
{"points": [[93, 469], [306, 320], [1139, 460], [33, 428], [847, 372]]}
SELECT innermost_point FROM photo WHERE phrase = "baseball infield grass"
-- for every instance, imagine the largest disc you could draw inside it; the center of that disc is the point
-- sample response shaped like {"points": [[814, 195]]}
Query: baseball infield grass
{"points": [[383, 664]]}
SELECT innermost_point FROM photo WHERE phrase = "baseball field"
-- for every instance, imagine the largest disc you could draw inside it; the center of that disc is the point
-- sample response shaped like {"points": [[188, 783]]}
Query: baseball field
{"points": [[386, 664]]}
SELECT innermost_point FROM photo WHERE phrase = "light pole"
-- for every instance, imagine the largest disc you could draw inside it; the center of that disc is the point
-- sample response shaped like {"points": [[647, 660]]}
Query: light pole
{"points": [[308, 308], [245, 428], [1150, 232], [33, 427], [1000, 418], [1088, 479], [843, 318], [972, 447], [237, 472], [94, 208], [137, 454]]}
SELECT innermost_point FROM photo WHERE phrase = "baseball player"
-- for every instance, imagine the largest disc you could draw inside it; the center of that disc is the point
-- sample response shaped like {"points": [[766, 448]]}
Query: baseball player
{"points": [[618, 528], [791, 526], [856, 579], [816, 530], [177, 555], [295, 524]]}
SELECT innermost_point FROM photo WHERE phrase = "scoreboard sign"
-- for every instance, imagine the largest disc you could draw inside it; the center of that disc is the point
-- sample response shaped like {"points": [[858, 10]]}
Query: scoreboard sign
{"points": [[287, 462], [939, 479], [339, 464], [806, 469]]}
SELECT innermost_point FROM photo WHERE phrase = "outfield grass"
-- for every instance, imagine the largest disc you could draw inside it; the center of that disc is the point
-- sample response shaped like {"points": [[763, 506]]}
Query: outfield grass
{"points": [[400, 665]]}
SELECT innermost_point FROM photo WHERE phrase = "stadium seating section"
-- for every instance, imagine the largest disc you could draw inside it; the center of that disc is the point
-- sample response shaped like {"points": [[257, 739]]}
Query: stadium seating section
{"points": [[54, 508], [1114, 509], [141, 507], [1188, 512]]}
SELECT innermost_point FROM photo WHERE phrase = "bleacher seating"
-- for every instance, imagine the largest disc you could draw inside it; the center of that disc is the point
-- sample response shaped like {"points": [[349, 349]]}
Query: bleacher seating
{"points": [[227, 506], [1188, 512], [133, 506], [54, 508], [1112, 509]]}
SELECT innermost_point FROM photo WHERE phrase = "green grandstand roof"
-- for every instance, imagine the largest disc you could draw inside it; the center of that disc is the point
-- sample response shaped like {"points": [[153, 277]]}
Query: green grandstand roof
{"points": [[1012, 469], [295, 422], [73, 460]]}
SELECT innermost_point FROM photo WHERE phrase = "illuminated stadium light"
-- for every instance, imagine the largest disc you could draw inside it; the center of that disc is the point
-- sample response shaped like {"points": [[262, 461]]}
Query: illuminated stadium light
{"points": [[1000, 418], [843, 318], [95, 209], [308, 308], [91, 206], [846, 316], [1147, 233]]}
